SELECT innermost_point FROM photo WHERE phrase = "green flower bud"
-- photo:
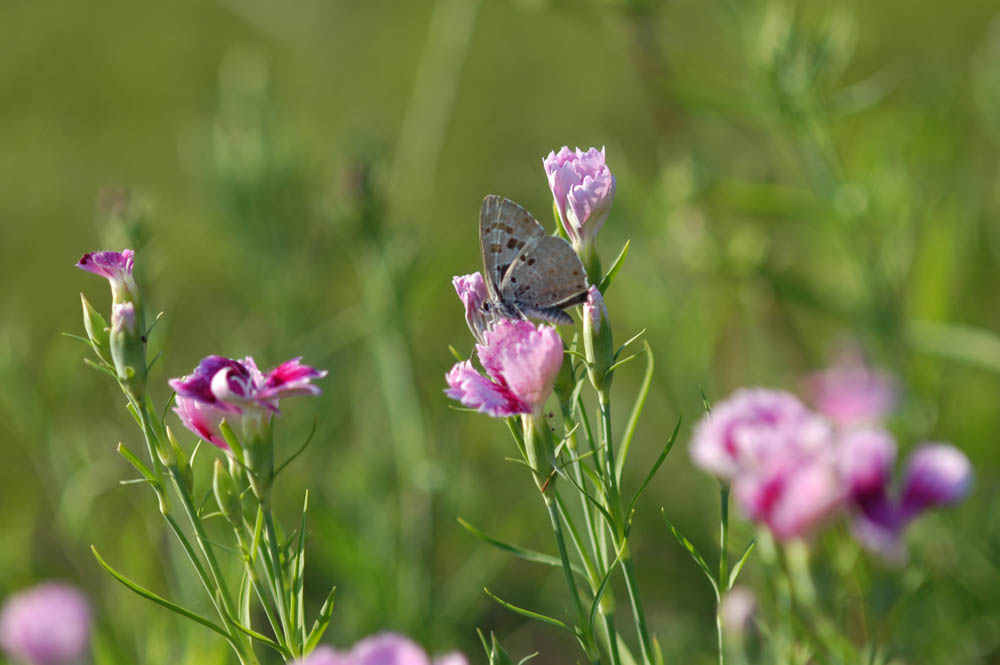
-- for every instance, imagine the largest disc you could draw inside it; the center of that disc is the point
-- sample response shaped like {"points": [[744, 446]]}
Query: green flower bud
{"points": [[97, 330], [226, 494]]}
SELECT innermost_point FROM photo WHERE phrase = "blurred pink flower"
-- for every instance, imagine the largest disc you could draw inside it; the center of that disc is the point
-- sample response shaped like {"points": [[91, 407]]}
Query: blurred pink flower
{"points": [[46, 625], [471, 289], [937, 475], [583, 189], [381, 649], [116, 267], [521, 362], [237, 391], [778, 455], [850, 393]]}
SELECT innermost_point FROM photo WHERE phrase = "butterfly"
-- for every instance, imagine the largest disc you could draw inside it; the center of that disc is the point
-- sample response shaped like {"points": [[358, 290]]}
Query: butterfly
{"points": [[528, 272]]}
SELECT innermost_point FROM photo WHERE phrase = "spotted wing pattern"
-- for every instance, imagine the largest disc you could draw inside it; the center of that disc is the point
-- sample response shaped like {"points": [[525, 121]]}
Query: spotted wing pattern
{"points": [[545, 278], [505, 229]]}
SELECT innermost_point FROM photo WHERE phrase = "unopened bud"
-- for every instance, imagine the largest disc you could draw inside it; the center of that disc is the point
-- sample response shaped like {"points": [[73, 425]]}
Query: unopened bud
{"points": [[128, 349], [598, 342], [97, 330], [226, 494]]}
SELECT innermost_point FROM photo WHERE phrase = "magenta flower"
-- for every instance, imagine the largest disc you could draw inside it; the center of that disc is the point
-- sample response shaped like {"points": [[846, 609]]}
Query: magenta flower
{"points": [[583, 189], [937, 475], [237, 391], [116, 267], [46, 625], [472, 291], [381, 649], [521, 362], [850, 393]]}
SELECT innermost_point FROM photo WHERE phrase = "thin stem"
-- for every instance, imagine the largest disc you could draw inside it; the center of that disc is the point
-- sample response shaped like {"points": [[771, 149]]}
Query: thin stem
{"points": [[723, 565], [574, 593], [609, 627], [279, 581], [640, 616]]}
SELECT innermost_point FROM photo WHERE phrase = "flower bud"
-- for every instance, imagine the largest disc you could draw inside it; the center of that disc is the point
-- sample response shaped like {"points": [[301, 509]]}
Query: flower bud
{"points": [[227, 495], [177, 456], [128, 349], [582, 191], [97, 330], [598, 342]]}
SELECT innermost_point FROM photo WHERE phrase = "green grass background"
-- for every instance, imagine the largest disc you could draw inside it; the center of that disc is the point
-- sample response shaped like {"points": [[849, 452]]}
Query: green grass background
{"points": [[305, 179]]}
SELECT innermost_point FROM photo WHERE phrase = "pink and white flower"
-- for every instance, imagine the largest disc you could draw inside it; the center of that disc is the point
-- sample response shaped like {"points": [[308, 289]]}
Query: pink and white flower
{"points": [[223, 388], [116, 267], [521, 362], [778, 457], [583, 189], [46, 625]]}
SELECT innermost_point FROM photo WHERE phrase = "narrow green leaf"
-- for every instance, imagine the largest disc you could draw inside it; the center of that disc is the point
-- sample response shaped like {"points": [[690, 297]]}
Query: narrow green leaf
{"points": [[153, 324], [572, 481], [82, 339], [322, 621], [234, 443], [704, 401], [527, 658], [456, 354], [516, 550], [623, 361], [600, 589], [130, 407], [152, 362], [529, 614], [246, 589], [633, 419], [149, 595], [653, 470], [695, 555], [627, 343], [298, 452], [137, 463], [103, 368], [299, 574], [574, 534], [263, 639], [739, 564], [615, 267]]}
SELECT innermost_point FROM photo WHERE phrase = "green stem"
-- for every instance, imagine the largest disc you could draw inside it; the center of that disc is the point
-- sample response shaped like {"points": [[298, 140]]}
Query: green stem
{"points": [[640, 616], [723, 565], [574, 593], [279, 581], [609, 627]]}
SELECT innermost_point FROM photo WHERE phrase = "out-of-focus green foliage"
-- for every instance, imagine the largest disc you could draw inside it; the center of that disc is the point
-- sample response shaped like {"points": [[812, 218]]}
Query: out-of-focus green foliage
{"points": [[305, 179]]}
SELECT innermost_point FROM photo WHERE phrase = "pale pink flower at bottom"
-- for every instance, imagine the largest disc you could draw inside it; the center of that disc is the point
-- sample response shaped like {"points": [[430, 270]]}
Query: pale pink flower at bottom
{"points": [[521, 362], [46, 625], [381, 649]]}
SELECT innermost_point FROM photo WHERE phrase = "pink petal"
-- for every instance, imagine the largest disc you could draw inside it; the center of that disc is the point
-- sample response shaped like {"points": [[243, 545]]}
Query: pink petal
{"points": [[475, 391]]}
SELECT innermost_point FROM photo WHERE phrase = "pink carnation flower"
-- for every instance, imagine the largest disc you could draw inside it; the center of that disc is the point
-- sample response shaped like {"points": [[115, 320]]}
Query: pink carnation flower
{"points": [[521, 362], [237, 391], [116, 267]]}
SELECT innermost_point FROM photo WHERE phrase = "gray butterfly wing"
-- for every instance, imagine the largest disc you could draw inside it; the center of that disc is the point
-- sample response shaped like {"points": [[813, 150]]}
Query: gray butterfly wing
{"points": [[505, 229], [545, 278]]}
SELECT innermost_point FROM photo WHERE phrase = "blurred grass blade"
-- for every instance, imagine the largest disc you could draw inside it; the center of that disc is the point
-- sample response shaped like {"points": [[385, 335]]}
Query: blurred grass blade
{"points": [[520, 552], [529, 614], [739, 564], [652, 472], [299, 574], [975, 346], [149, 595], [633, 419], [693, 551], [615, 267]]}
